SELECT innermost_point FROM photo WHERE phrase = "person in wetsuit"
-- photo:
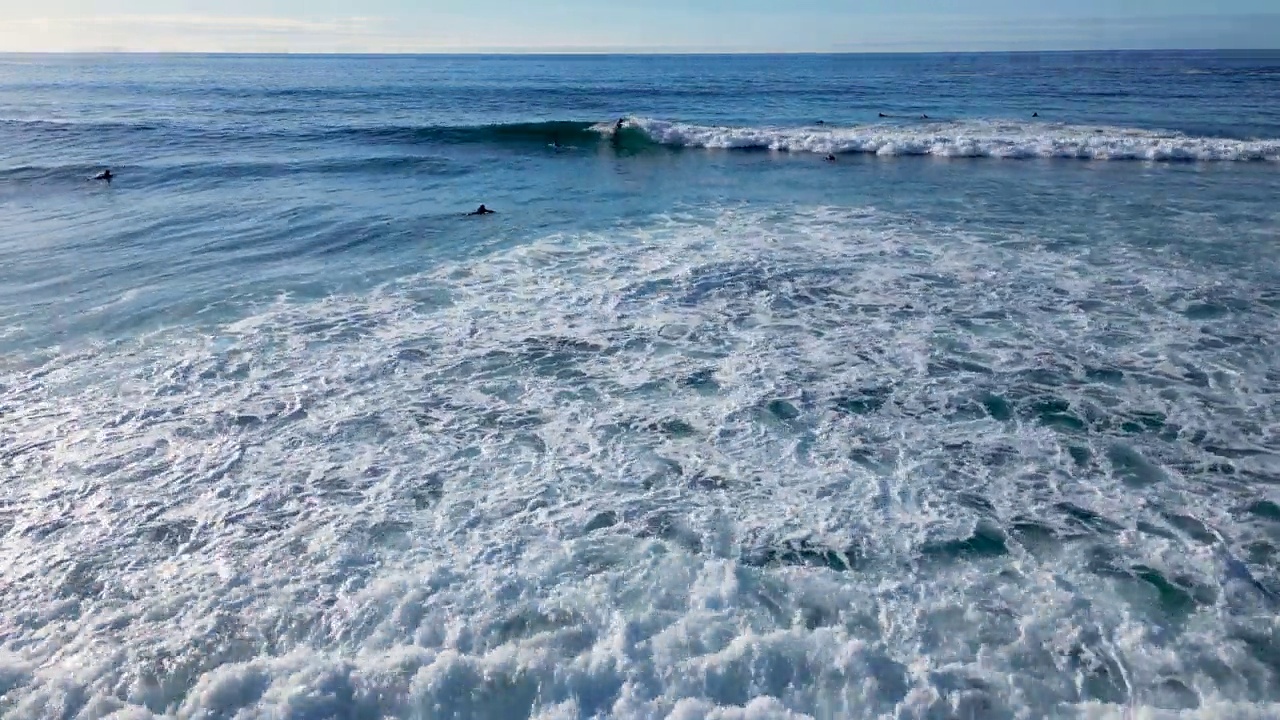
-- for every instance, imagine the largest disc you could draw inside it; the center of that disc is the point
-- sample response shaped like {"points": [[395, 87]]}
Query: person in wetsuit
{"points": [[616, 138], [482, 210], [105, 175]]}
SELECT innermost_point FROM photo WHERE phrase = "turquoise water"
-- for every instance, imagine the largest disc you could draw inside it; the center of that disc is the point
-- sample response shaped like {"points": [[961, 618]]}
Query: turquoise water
{"points": [[979, 419]]}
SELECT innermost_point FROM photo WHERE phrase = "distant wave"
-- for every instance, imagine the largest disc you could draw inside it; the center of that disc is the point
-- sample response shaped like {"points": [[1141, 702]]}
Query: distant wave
{"points": [[967, 139], [55, 128]]}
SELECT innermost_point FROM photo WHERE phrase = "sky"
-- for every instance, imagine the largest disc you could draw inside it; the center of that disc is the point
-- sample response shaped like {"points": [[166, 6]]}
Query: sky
{"points": [[399, 26]]}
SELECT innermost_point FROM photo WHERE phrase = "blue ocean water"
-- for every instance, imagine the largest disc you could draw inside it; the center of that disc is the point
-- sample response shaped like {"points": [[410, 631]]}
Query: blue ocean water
{"points": [[978, 419]]}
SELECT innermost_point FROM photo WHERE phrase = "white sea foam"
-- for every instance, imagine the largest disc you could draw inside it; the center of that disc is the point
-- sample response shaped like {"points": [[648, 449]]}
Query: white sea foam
{"points": [[967, 139], [730, 466]]}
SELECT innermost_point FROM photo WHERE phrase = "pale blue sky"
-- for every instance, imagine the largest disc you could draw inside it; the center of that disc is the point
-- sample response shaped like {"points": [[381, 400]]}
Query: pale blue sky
{"points": [[639, 25]]}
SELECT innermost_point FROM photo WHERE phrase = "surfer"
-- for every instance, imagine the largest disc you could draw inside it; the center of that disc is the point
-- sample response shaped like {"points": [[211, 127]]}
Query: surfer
{"points": [[883, 115], [105, 175], [831, 158], [1035, 114], [482, 210], [616, 138], [924, 117], [821, 122]]}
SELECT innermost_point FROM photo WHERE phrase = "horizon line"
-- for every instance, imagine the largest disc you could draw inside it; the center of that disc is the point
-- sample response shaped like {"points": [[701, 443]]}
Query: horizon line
{"points": [[545, 52]]}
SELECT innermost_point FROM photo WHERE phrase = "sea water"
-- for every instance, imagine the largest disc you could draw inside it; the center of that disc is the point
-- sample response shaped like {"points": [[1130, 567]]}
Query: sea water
{"points": [[979, 420]]}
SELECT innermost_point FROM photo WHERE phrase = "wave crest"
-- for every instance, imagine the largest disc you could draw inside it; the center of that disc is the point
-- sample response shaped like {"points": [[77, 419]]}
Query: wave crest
{"points": [[966, 139]]}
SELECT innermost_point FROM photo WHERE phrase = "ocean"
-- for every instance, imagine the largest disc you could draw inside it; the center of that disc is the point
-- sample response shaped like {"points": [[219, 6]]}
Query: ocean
{"points": [[978, 418]]}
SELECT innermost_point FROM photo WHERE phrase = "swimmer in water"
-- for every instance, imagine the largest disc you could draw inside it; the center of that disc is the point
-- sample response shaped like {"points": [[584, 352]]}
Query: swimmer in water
{"points": [[1035, 114], [831, 158], [482, 210], [924, 117], [105, 175]]}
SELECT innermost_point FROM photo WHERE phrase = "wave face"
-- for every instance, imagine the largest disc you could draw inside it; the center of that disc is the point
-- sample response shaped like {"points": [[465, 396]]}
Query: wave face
{"points": [[522, 133], [968, 139]]}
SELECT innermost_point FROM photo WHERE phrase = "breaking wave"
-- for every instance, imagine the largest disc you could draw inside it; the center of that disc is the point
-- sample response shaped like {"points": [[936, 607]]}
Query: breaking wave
{"points": [[966, 139]]}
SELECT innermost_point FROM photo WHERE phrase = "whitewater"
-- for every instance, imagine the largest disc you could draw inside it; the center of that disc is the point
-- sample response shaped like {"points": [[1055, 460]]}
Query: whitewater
{"points": [[964, 139]]}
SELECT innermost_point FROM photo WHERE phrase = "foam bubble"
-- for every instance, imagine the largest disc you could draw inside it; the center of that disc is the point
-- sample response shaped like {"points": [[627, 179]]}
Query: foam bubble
{"points": [[823, 463]]}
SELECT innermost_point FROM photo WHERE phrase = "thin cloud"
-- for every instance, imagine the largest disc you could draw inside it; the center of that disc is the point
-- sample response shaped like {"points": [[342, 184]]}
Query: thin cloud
{"points": [[213, 23], [191, 33]]}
